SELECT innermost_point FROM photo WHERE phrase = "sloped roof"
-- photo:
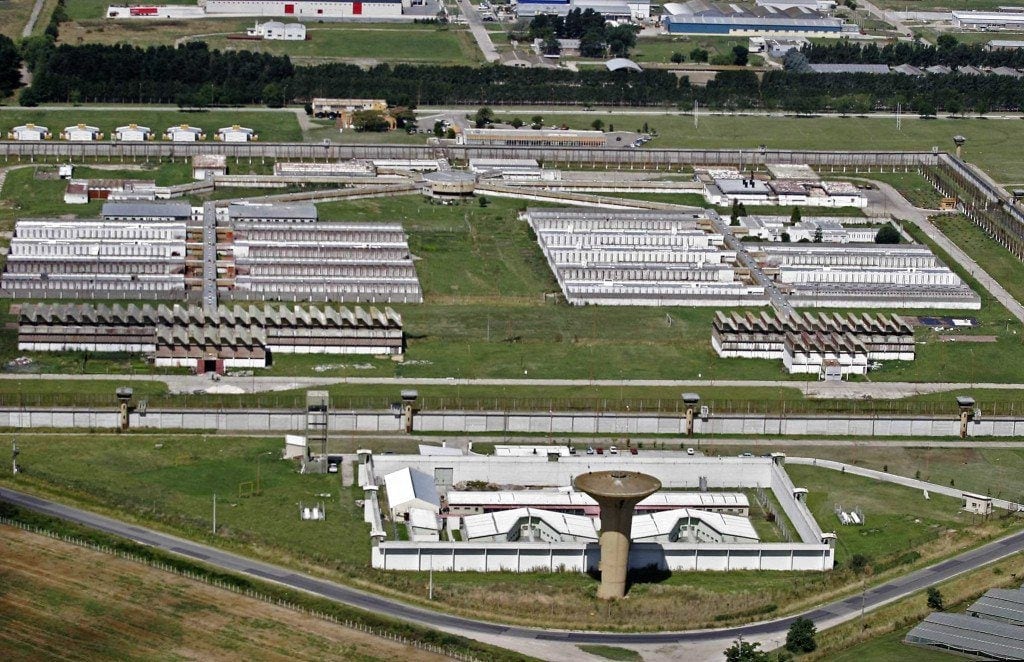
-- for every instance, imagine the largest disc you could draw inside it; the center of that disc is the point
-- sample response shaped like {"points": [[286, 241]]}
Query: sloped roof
{"points": [[407, 485], [619, 63]]}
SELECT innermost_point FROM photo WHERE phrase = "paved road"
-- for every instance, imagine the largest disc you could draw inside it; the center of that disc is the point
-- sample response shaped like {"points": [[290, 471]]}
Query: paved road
{"points": [[33, 17], [530, 640], [811, 389], [479, 30]]}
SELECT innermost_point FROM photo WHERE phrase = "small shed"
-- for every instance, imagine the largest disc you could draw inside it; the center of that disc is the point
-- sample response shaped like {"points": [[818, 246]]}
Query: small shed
{"points": [[133, 133], [29, 132], [236, 134], [183, 133], [77, 192], [424, 525], [977, 504], [295, 446], [81, 133], [407, 489], [208, 165]]}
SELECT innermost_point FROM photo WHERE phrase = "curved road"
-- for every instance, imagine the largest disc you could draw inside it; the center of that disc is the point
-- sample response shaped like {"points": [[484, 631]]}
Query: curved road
{"points": [[709, 643]]}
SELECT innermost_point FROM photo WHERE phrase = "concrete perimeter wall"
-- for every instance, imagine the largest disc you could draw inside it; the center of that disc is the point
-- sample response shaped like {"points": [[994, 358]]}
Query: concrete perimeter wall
{"points": [[558, 423], [580, 557]]}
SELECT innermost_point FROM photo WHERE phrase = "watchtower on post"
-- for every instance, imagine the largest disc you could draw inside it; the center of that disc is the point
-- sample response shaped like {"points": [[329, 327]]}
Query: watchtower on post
{"points": [[409, 409], [691, 400]]}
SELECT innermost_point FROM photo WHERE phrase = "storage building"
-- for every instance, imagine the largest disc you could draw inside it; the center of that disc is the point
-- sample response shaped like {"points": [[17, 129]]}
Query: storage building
{"points": [[133, 133], [184, 134], [209, 165], [531, 138], [408, 488], [306, 9], [277, 31], [255, 212], [29, 132], [236, 134], [81, 133], [146, 211]]}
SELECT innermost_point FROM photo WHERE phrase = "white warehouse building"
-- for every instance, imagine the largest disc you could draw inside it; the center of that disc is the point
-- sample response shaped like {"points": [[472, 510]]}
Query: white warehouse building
{"points": [[236, 134], [408, 489], [29, 132], [306, 8], [278, 31]]}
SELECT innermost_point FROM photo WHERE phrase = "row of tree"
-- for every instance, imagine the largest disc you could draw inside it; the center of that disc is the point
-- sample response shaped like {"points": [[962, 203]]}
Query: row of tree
{"points": [[948, 51], [193, 75]]}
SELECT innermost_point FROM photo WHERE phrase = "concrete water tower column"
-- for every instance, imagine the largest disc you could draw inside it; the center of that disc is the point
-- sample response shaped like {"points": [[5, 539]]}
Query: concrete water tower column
{"points": [[617, 493]]}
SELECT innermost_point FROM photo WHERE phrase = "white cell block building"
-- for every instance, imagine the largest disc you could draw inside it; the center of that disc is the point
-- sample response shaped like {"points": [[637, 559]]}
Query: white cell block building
{"points": [[688, 525], [146, 211], [865, 275], [184, 134], [639, 258], [409, 488], [29, 132], [81, 133], [236, 134], [133, 133], [306, 9], [277, 31], [368, 262], [255, 212], [476, 502], [89, 258], [528, 525], [336, 169]]}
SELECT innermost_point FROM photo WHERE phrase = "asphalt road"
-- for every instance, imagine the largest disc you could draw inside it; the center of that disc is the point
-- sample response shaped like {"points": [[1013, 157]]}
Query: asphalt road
{"points": [[826, 615]]}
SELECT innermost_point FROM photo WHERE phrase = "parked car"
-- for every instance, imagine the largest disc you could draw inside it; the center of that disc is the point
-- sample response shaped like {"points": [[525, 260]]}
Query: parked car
{"points": [[600, 451], [590, 450], [690, 451], [633, 451], [612, 450]]}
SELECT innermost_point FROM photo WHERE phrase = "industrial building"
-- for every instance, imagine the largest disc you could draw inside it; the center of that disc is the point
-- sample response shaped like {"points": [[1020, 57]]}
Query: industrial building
{"points": [[768, 19], [725, 187], [808, 343], [531, 138], [81, 191], [627, 10], [359, 262], [81, 133], [209, 165], [579, 503], [236, 134], [335, 169], [277, 31], [512, 169], [184, 134], [1005, 18], [407, 489], [255, 212], [95, 259], [152, 212], [834, 229], [335, 108], [637, 258], [29, 132], [863, 275], [307, 9], [209, 340], [133, 133]]}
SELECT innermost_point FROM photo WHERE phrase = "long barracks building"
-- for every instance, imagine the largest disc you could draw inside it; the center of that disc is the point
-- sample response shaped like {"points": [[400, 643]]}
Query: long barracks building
{"points": [[311, 9]]}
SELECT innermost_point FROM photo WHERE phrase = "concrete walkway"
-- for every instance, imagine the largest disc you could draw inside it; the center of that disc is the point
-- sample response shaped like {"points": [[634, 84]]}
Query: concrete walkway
{"points": [[480, 33], [896, 480]]}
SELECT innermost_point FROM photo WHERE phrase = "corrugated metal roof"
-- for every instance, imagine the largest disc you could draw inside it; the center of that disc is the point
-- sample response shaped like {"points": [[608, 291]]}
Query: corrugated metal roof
{"points": [[1000, 604], [967, 634], [271, 211], [144, 209], [421, 518], [501, 522], [649, 525], [407, 485]]}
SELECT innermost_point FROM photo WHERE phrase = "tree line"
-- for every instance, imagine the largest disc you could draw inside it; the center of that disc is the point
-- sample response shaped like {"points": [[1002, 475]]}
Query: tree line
{"points": [[194, 75], [948, 51], [597, 38]]}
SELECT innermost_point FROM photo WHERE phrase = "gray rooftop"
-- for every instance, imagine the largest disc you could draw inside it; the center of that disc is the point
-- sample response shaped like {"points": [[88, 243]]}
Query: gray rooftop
{"points": [[181, 210], [272, 211], [1000, 604], [850, 68], [974, 636]]}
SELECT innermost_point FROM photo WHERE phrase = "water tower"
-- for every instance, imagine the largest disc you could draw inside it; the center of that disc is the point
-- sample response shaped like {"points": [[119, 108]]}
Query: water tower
{"points": [[617, 492], [959, 141]]}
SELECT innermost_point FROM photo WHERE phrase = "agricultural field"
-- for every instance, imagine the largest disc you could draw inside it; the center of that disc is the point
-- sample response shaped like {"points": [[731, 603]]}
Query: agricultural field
{"points": [[168, 480], [120, 609]]}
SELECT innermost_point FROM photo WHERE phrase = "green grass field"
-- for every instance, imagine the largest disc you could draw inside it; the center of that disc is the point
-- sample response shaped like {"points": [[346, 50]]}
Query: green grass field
{"points": [[83, 9], [996, 260], [660, 49], [890, 648], [889, 530]]}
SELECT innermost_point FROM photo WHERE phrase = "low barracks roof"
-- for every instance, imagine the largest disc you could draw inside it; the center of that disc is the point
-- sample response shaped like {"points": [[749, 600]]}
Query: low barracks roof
{"points": [[976, 636], [569, 499]]}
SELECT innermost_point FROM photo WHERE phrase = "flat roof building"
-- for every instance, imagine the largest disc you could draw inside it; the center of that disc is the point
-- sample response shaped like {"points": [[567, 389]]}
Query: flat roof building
{"points": [[146, 211], [184, 133], [531, 138], [81, 133], [977, 637], [29, 132], [255, 212]]}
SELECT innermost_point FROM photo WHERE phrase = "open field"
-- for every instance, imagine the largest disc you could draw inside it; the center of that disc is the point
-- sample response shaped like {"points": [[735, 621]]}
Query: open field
{"points": [[272, 126], [169, 480], [14, 15], [912, 186], [996, 260], [660, 49], [61, 600], [81, 9]]}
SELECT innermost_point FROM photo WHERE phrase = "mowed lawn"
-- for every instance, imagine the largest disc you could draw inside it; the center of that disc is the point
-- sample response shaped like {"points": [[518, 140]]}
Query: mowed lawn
{"points": [[993, 258], [404, 43]]}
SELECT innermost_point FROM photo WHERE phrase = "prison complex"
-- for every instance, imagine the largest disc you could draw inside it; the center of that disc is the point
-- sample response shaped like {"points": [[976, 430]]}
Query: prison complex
{"points": [[209, 339]]}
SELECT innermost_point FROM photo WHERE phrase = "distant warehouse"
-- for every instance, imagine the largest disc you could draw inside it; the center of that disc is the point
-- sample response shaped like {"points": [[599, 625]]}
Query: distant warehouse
{"points": [[306, 8], [1005, 17], [794, 20]]}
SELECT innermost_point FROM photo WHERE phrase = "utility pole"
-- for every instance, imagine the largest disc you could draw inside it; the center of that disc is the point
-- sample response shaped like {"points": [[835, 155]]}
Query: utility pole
{"points": [[15, 451], [695, 113], [430, 588], [215, 514]]}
